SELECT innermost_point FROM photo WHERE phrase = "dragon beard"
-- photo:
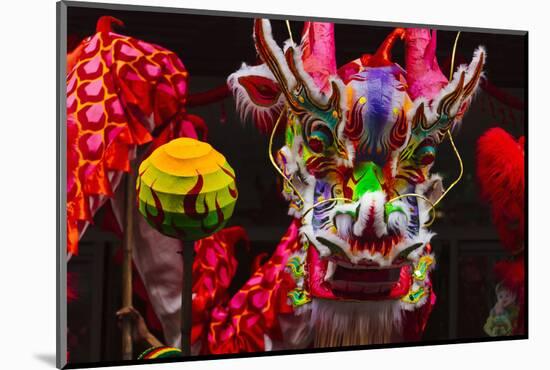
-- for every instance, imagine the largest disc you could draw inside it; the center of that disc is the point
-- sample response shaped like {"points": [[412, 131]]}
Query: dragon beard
{"points": [[337, 323]]}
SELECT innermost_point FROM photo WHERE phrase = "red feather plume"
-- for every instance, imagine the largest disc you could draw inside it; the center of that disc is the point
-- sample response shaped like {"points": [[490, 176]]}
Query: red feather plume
{"points": [[500, 170]]}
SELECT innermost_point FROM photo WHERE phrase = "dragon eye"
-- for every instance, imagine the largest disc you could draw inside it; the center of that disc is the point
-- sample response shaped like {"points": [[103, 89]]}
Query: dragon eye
{"points": [[320, 139]]}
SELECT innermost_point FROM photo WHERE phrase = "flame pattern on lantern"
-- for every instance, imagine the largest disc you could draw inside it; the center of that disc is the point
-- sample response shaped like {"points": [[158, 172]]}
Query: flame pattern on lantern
{"points": [[186, 189]]}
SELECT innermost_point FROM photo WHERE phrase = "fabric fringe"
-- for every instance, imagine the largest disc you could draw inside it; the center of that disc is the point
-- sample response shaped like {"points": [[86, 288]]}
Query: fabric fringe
{"points": [[338, 323]]}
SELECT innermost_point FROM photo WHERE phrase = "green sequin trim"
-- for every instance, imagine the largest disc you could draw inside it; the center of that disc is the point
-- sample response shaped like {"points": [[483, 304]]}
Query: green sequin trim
{"points": [[421, 269], [415, 296], [296, 266], [299, 297], [390, 208]]}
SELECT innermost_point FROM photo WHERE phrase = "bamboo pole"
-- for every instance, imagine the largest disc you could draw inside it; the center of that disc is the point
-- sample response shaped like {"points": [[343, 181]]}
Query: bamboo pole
{"points": [[188, 255], [127, 350]]}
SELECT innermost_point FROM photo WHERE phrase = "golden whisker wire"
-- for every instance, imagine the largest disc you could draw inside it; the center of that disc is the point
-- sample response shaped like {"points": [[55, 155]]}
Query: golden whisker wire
{"points": [[451, 140], [270, 152], [289, 31], [453, 56], [270, 148], [460, 173], [432, 205], [325, 201]]}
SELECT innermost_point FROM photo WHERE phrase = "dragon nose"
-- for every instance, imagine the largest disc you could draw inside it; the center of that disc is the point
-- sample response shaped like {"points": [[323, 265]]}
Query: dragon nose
{"points": [[371, 215]]}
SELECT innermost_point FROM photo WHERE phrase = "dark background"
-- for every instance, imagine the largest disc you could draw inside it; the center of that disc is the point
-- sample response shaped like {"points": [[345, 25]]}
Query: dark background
{"points": [[212, 47]]}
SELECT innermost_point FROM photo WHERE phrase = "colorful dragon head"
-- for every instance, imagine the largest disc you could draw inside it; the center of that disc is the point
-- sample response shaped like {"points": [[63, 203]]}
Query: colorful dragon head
{"points": [[359, 145]]}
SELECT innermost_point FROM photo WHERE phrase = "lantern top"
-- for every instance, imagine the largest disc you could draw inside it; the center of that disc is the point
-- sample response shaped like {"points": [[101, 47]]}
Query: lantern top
{"points": [[186, 148], [185, 157]]}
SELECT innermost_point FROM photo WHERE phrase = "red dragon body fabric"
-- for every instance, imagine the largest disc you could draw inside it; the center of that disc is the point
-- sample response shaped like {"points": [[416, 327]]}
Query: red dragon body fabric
{"points": [[121, 93]]}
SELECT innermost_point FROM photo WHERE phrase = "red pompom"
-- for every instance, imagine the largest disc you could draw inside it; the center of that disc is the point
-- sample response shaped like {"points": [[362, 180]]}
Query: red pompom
{"points": [[500, 170]]}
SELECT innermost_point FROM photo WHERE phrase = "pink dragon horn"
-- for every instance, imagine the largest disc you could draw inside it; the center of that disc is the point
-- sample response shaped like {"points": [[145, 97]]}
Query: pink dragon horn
{"points": [[424, 77], [319, 52]]}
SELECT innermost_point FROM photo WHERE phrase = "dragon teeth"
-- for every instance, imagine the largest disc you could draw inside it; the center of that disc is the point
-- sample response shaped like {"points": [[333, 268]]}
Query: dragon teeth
{"points": [[331, 268]]}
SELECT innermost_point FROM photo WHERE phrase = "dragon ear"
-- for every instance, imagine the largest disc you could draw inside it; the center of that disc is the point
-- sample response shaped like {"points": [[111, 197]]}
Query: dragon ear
{"points": [[257, 94], [426, 82], [433, 118]]}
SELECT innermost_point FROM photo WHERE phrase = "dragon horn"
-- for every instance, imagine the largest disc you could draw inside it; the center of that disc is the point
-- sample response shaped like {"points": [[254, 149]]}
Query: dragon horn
{"points": [[424, 77], [319, 52], [382, 57]]}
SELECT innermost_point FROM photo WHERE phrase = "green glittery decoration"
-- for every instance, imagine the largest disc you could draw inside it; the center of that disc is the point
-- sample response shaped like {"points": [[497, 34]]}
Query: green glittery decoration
{"points": [[299, 297], [421, 269], [366, 179], [390, 207], [329, 116], [414, 296], [296, 266], [419, 134]]}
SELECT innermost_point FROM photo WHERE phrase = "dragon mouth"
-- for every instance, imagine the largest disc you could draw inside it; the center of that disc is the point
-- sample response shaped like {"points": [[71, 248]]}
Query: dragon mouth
{"points": [[367, 281], [365, 278]]}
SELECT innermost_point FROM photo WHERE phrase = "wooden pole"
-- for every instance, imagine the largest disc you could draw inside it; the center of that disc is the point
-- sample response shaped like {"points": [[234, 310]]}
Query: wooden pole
{"points": [[188, 255], [127, 351]]}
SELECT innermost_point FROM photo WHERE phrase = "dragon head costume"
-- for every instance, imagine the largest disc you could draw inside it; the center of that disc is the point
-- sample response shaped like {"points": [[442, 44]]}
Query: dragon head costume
{"points": [[359, 143]]}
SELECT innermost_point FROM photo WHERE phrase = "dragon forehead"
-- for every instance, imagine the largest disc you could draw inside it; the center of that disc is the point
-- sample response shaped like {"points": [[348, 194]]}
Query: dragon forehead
{"points": [[364, 112]]}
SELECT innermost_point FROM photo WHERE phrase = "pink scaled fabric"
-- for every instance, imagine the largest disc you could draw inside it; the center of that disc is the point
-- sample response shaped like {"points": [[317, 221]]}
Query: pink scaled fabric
{"points": [[122, 93], [214, 268], [252, 313]]}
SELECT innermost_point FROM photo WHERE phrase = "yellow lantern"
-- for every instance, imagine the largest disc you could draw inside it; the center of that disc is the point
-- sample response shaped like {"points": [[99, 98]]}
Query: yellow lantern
{"points": [[186, 189]]}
